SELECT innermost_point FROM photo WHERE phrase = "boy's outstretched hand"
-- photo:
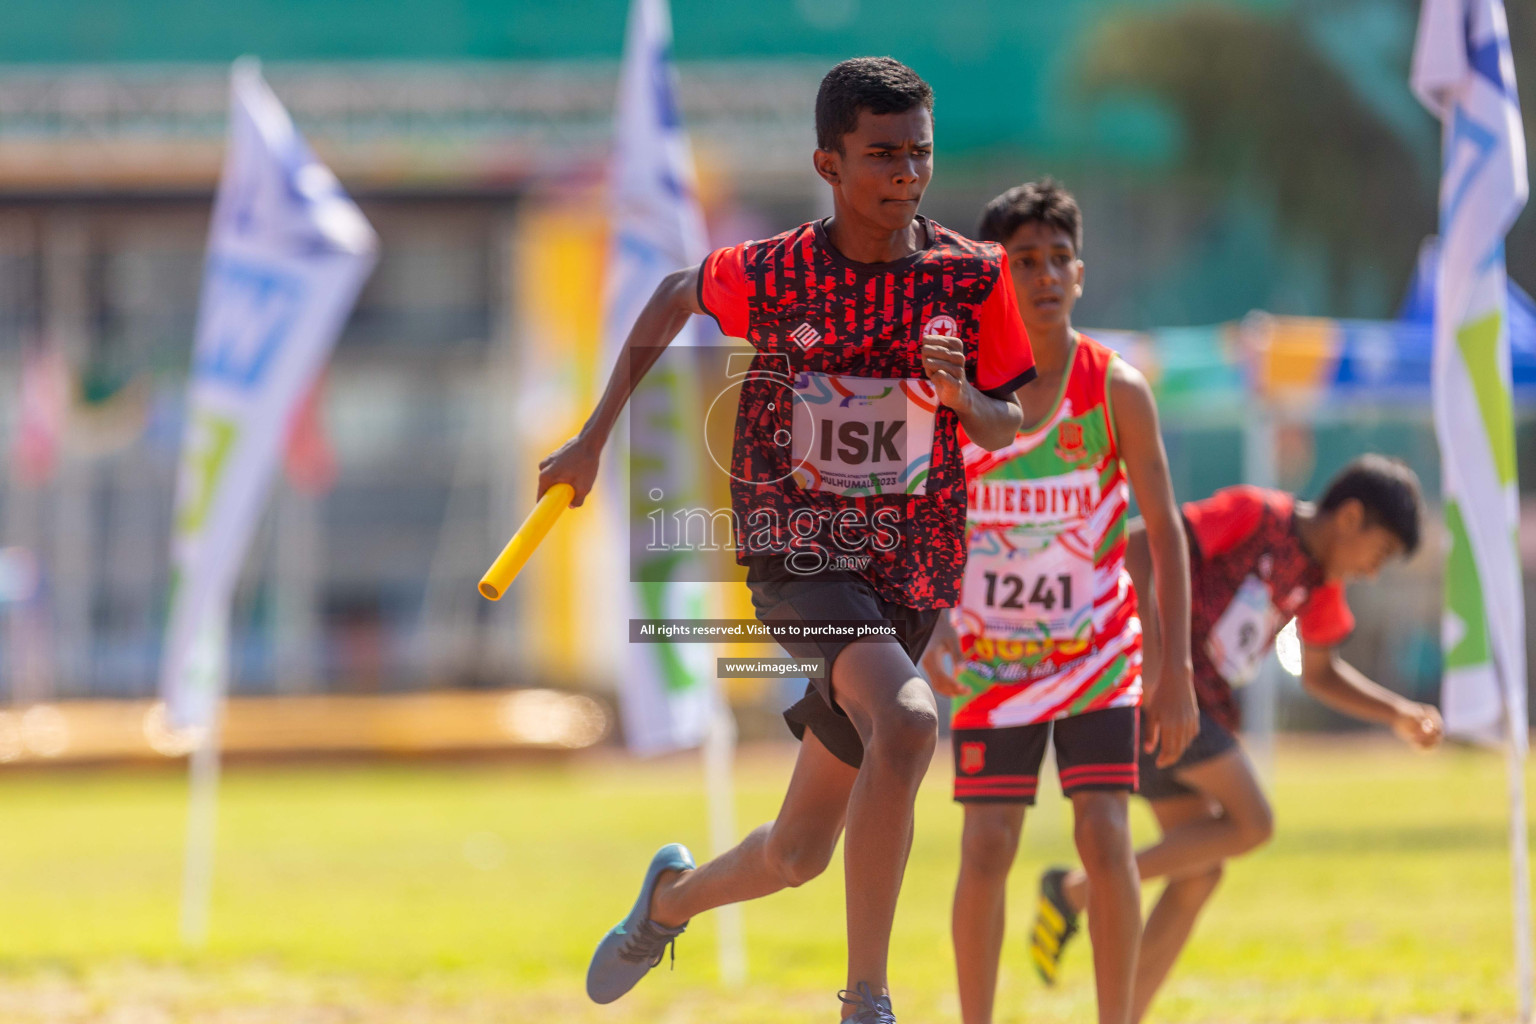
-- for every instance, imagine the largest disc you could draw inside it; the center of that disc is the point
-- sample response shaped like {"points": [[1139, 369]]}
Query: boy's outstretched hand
{"points": [[943, 644], [1172, 716], [1420, 726], [574, 463]]}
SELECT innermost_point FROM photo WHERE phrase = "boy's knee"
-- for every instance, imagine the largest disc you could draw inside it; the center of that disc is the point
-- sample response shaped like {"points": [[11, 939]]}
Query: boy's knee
{"points": [[906, 731], [988, 847], [1194, 890], [798, 860], [1102, 831], [1257, 825], [1209, 879]]}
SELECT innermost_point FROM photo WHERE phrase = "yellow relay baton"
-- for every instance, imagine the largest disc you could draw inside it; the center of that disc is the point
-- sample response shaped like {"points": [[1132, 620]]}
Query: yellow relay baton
{"points": [[528, 537]]}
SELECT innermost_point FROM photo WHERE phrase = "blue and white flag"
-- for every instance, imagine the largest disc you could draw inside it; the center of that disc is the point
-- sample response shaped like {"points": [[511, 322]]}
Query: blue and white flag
{"points": [[666, 690], [287, 253], [1464, 73]]}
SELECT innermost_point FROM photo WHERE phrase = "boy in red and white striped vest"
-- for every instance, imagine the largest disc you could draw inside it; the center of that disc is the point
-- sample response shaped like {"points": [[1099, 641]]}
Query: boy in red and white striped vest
{"points": [[1048, 641]]}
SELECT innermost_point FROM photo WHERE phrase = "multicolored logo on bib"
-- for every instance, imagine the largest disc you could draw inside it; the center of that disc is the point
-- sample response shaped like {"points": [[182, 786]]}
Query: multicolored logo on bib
{"points": [[856, 436]]}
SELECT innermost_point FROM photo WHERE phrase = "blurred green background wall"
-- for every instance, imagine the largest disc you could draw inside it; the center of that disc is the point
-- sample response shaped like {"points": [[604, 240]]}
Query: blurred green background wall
{"points": [[1270, 146]]}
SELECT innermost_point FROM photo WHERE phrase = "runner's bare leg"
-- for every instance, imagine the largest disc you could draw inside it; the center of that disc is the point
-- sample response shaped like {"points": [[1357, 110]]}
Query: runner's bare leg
{"points": [[893, 709], [1103, 833], [1173, 916], [788, 851], [988, 844]]}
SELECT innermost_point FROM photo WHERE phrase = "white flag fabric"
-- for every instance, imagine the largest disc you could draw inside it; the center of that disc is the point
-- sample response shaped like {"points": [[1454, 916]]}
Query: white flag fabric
{"points": [[1464, 73], [666, 695], [287, 253]]}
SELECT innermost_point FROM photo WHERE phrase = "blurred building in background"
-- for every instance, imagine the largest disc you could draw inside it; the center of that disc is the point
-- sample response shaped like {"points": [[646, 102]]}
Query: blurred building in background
{"points": [[1261, 155]]}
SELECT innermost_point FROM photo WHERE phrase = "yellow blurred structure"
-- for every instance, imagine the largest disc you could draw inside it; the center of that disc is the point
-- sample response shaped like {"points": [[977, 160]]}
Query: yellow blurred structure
{"points": [[431, 723], [557, 286]]}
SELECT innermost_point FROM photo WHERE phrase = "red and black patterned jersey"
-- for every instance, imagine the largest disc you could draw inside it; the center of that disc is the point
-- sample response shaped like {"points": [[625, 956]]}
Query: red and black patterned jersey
{"points": [[843, 460], [1249, 576]]}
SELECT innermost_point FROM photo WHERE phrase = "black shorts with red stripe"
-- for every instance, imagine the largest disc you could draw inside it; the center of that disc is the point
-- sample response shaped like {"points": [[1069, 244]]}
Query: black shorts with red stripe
{"points": [[1093, 751]]}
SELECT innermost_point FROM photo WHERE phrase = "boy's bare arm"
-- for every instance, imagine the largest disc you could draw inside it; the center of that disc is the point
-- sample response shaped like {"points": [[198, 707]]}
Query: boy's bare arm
{"points": [[670, 306], [1173, 716], [1345, 688], [1138, 562], [991, 422]]}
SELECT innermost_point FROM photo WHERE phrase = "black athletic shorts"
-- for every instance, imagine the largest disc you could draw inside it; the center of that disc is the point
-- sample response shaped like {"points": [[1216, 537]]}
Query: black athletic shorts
{"points": [[1213, 740], [812, 600], [1093, 751]]}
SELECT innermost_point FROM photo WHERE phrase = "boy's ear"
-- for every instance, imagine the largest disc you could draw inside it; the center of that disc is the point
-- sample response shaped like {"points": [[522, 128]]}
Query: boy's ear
{"points": [[1351, 515], [1080, 269], [828, 164]]}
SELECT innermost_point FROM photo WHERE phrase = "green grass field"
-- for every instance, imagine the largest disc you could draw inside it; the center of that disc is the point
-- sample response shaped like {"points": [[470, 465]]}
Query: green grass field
{"points": [[474, 893]]}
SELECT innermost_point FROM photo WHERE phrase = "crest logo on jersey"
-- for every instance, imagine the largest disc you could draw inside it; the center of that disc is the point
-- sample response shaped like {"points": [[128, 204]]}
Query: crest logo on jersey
{"points": [[973, 757], [942, 324], [805, 336], [1069, 440]]}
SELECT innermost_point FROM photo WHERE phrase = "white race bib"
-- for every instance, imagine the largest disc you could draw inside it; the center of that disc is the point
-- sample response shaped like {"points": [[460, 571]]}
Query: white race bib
{"points": [[1241, 636], [863, 435], [1027, 585]]}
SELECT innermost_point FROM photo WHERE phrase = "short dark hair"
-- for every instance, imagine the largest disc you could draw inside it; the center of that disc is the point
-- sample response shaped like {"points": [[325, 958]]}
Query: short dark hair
{"points": [[1037, 202], [880, 85], [1387, 489]]}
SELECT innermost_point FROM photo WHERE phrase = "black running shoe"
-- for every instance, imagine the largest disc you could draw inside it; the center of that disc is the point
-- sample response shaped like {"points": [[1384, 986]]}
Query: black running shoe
{"points": [[1055, 923]]}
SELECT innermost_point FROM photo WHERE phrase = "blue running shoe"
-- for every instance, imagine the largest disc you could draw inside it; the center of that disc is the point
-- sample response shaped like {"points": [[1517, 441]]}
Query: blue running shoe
{"points": [[636, 944], [872, 1009]]}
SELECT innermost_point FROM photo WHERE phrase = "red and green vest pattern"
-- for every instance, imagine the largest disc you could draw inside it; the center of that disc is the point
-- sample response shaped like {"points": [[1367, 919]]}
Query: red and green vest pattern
{"points": [[1047, 616]]}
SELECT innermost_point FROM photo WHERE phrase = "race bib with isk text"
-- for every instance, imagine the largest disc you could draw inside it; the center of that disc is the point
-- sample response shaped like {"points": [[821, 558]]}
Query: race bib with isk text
{"points": [[863, 435]]}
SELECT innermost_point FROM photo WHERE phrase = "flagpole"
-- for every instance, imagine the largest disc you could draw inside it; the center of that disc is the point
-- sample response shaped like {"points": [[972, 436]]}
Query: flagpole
{"points": [[1519, 855], [1516, 735], [208, 666], [202, 820], [1260, 451], [720, 798]]}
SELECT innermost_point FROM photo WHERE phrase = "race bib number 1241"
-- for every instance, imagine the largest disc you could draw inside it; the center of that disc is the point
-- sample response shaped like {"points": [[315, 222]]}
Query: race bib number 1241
{"points": [[1034, 588]]}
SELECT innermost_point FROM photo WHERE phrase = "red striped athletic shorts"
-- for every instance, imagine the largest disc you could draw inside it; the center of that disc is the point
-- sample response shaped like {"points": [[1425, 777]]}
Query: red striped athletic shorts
{"points": [[1093, 751]]}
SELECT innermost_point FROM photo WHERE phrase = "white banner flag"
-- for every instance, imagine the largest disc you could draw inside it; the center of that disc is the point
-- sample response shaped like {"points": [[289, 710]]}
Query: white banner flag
{"points": [[287, 253], [666, 693], [1463, 71]]}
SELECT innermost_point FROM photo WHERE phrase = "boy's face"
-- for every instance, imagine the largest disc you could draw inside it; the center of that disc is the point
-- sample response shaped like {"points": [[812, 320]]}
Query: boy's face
{"points": [[1047, 275], [1360, 548], [886, 163]]}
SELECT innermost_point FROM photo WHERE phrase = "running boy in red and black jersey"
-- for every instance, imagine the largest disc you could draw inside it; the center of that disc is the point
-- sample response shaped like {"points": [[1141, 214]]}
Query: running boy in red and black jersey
{"points": [[1049, 645], [1258, 558], [878, 335]]}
